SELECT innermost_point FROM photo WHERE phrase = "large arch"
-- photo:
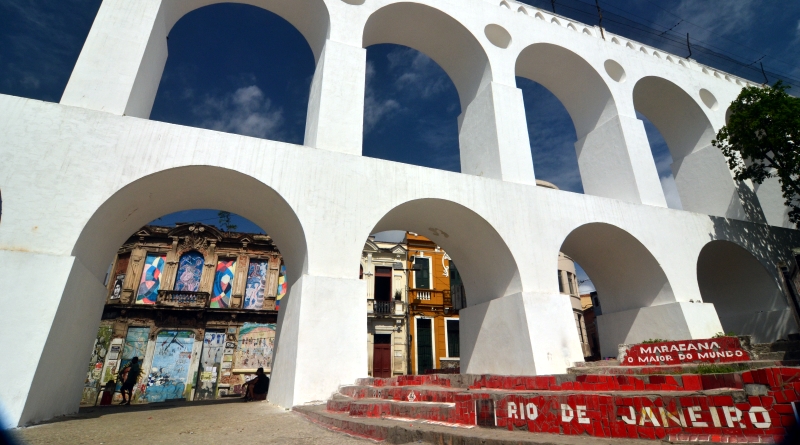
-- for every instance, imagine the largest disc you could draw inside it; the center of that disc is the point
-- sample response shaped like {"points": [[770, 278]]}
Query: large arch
{"points": [[438, 36], [606, 167], [629, 281], [484, 261], [705, 184], [748, 298], [121, 214]]}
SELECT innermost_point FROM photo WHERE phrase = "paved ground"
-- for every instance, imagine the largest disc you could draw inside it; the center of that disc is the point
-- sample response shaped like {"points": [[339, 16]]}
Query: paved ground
{"points": [[184, 423]]}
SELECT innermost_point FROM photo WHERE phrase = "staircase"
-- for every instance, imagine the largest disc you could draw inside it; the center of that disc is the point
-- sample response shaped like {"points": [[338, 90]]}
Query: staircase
{"points": [[747, 406]]}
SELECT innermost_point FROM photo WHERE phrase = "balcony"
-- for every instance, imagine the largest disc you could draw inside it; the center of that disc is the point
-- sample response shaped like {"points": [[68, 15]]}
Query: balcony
{"points": [[385, 308], [430, 297], [174, 298]]}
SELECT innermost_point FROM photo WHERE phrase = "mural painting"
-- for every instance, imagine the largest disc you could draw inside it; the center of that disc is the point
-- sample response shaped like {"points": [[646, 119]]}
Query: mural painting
{"points": [[190, 270], [256, 282], [281, 287], [253, 350], [169, 374], [91, 385], [223, 283], [151, 279], [210, 361], [135, 346]]}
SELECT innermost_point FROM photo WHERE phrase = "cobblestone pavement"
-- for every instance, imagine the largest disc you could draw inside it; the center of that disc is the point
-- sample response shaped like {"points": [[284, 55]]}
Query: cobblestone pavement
{"points": [[184, 423]]}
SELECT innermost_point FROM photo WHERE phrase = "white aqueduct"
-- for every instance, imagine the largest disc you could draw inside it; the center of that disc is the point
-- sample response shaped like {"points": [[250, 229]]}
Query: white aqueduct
{"points": [[77, 178]]}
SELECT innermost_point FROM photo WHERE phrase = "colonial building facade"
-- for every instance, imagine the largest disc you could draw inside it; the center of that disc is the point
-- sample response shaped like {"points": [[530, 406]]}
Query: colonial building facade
{"points": [[383, 269], [196, 305]]}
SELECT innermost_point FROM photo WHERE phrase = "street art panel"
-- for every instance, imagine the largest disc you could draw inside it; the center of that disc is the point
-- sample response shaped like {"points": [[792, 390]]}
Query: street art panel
{"points": [[151, 279], [169, 372], [190, 270], [91, 385], [223, 283], [210, 365], [135, 346], [256, 282], [282, 287], [254, 349]]}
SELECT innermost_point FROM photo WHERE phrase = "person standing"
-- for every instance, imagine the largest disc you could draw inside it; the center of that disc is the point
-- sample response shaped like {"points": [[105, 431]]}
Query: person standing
{"points": [[131, 378]]}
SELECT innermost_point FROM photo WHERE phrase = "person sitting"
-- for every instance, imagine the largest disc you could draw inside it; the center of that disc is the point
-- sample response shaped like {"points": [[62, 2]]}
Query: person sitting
{"points": [[257, 388]]}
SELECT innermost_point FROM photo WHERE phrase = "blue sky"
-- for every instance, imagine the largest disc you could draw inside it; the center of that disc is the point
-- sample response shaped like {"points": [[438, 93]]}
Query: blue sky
{"points": [[240, 69]]}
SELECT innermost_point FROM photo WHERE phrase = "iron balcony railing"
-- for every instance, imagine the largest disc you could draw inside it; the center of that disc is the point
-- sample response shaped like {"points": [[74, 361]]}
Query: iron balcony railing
{"points": [[177, 298], [385, 308]]}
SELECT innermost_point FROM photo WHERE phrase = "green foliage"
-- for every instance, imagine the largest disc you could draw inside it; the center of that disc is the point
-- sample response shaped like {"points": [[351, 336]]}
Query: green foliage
{"points": [[714, 368], [225, 221], [723, 334], [760, 140], [654, 340]]}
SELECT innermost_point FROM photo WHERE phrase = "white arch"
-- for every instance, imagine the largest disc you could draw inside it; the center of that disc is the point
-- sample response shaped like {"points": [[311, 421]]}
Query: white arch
{"points": [[747, 297]]}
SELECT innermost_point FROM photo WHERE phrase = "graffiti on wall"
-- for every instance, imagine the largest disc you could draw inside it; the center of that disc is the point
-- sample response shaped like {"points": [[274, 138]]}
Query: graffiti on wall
{"points": [[223, 283], [169, 372], [281, 291], [256, 282], [256, 343], [135, 346], [210, 360], [190, 270], [94, 374], [151, 279]]}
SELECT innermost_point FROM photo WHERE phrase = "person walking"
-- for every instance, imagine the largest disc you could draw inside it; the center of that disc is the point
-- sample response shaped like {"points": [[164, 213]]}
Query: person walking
{"points": [[131, 378]]}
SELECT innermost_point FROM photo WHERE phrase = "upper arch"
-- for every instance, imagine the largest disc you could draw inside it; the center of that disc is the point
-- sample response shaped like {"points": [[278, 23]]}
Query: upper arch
{"points": [[572, 80], [184, 188], [485, 262], [437, 35], [310, 17]]}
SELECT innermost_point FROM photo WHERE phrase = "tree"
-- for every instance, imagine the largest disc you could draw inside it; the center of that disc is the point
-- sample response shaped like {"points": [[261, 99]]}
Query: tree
{"points": [[225, 221], [760, 140]]}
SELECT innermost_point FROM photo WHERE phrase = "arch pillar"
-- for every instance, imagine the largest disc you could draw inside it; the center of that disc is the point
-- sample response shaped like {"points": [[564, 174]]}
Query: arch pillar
{"points": [[336, 104], [120, 66], [493, 136]]}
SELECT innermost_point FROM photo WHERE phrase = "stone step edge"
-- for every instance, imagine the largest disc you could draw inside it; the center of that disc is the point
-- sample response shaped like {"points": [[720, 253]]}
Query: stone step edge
{"points": [[502, 392], [404, 432], [687, 368]]}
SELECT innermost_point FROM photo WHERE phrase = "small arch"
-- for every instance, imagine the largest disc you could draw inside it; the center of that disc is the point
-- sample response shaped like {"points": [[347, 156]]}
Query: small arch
{"points": [[354, 2], [705, 71], [614, 70], [572, 27], [437, 35], [656, 55], [522, 10], [739, 82], [670, 59], [708, 99], [615, 40], [644, 50], [556, 21], [747, 297], [717, 75], [539, 16], [469, 243], [681, 63], [728, 78], [630, 45], [505, 4], [587, 32], [626, 277]]}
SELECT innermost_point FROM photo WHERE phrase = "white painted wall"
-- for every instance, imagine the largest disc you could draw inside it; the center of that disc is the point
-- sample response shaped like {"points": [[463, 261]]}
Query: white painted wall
{"points": [[79, 177]]}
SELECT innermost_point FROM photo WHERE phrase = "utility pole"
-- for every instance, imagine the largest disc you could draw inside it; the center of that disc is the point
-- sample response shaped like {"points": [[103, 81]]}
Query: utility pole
{"points": [[600, 13], [553, 2], [688, 45]]}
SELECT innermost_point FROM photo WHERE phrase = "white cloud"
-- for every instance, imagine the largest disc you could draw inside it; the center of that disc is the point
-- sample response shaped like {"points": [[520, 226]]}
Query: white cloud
{"points": [[245, 111], [374, 108], [416, 71]]}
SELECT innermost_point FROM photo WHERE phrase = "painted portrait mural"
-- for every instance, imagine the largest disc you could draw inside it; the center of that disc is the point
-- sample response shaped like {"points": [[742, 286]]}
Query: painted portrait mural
{"points": [[282, 287], [151, 278], [256, 284], [190, 270], [169, 372], [210, 364], [223, 283]]}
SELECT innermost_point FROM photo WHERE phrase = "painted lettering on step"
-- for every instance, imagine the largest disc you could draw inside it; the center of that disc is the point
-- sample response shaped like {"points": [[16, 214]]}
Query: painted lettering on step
{"points": [[725, 349]]}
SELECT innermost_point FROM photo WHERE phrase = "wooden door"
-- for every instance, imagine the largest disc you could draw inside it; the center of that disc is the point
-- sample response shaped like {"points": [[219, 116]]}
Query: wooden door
{"points": [[382, 356], [424, 345]]}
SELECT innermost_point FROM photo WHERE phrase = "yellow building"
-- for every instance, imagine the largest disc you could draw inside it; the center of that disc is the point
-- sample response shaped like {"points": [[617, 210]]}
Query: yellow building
{"points": [[433, 318]]}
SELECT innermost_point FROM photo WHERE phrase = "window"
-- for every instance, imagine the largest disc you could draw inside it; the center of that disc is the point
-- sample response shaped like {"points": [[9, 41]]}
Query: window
{"points": [[151, 278], [422, 273], [452, 338], [223, 283], [190, 270], [571, 284], [579, 320], [560, 283], [256, 284]]}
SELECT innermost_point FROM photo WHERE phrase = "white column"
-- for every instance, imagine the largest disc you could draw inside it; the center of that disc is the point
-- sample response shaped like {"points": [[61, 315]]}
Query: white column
{"points": [[321, 338], [335, 119], [57, 313], [521, 334], [493, 136], [615, 162], [120, 66], [672, 321]]}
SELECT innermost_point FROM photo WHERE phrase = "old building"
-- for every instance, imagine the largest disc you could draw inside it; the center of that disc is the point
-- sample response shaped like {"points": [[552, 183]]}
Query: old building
{"points": [[382, 267], [433, 317], [591, 309], [196, 305], [568, 284]]}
